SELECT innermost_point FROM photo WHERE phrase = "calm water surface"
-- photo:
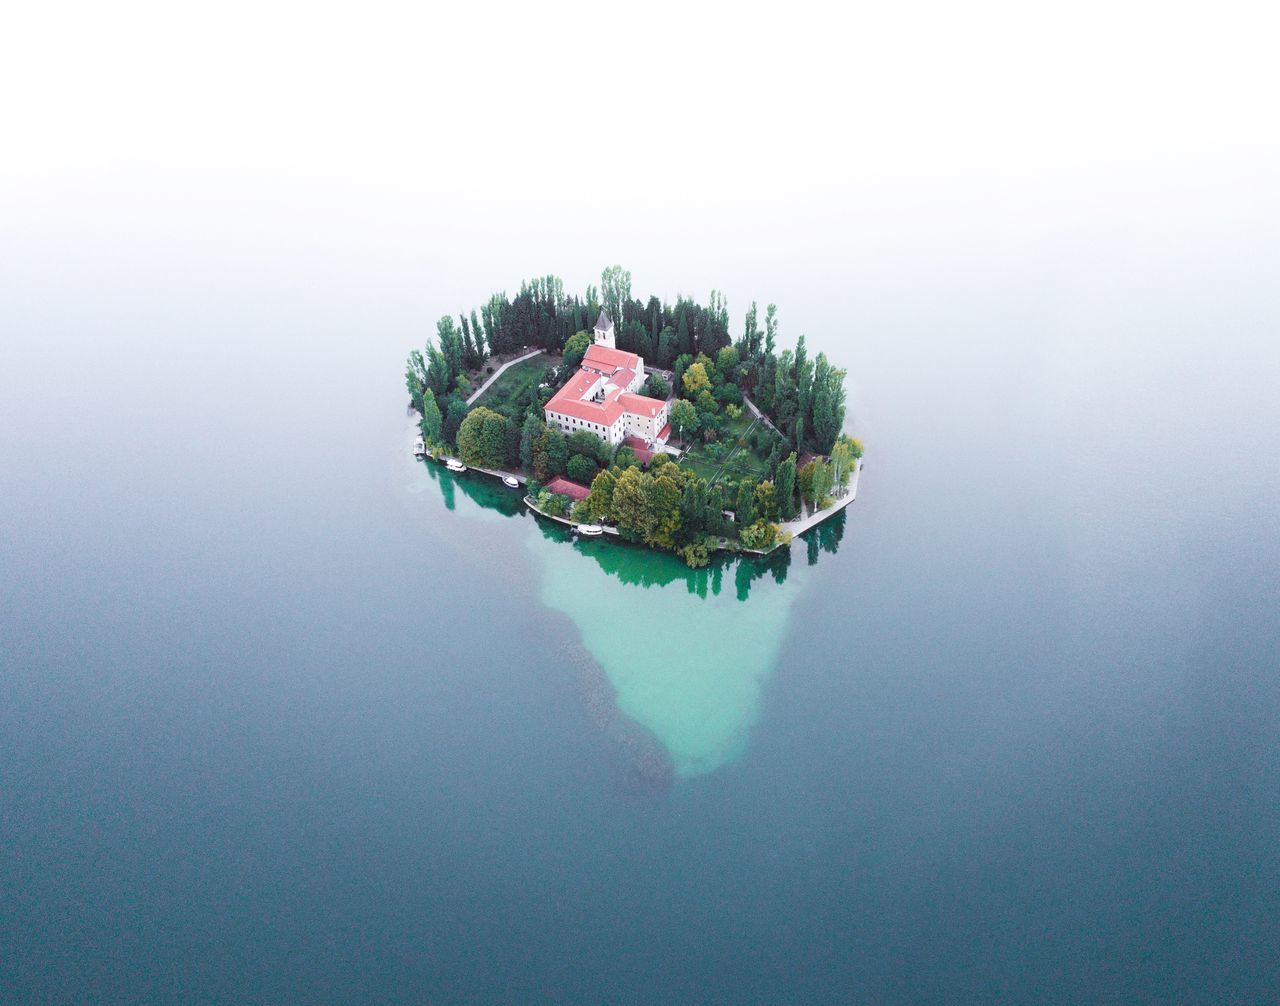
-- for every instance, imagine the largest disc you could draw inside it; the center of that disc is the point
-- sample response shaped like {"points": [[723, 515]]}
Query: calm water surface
{"points": [[287, 716]]}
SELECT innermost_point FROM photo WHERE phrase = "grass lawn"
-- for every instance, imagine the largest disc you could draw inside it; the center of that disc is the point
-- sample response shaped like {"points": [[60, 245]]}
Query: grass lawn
{"points": [[506, 391], [743, 462]]}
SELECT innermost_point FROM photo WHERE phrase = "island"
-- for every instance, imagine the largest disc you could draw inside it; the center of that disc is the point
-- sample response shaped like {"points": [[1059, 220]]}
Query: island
{"points": [[653, 424]]}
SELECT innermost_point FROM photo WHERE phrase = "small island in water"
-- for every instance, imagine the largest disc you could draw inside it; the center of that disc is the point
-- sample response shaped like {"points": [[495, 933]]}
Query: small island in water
{"points": [[654, 425]]}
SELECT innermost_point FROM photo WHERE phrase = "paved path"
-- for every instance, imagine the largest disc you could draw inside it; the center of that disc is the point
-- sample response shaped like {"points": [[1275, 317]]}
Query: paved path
{"points": [[498, 373], [761, 416]]}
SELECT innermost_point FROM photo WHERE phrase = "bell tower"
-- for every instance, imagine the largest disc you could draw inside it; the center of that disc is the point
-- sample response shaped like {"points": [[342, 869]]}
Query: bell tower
{"points": [[604, 331]]}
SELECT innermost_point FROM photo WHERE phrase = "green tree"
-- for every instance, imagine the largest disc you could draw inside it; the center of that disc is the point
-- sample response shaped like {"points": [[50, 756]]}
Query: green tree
{"points": [[684, 418], [684, 341], [553, 503], [575, 349], [482, 438], [662, 504], [678, 368], [451, 345], [760, 535], [814, 482], [550, 454], [695, 554], [828, 403], [438, 375], [529, 434], [784, 485], [589, 446], [656, 387], [804, 482], [511, 442], [581, 469], [432, 421], [453, 417], [766, 501], [668, 348], [477, 333], [727, 363], [471, 356], [615, 289], [629, 506], [600, 500], [770, 328], [415, 378], [750, 334], [693, 506], [843, 461], [745, 509]]}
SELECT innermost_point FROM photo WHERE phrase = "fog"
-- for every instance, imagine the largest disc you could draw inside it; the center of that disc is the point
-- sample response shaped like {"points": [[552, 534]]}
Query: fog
{"points": [[1032, 696]]}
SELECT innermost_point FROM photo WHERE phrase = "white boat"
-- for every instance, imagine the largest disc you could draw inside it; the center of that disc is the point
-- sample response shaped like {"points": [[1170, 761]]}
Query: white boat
{"points": [[511, 482], [419, 447], [454, 465], [590, 530]]}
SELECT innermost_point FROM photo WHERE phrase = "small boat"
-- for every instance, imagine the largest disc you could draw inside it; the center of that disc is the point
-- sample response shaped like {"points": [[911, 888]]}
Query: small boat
{"points": [[454, 465], [419, 447], [511, 482], [590, 530]]}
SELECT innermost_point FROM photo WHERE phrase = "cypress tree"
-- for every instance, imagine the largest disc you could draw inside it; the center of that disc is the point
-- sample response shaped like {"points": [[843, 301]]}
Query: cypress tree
{"points": [[785, 483]]}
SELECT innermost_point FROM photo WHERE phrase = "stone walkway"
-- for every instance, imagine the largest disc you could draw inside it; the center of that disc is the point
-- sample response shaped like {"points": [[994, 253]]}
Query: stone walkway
{"points": [[498, 373], [761, 416]]}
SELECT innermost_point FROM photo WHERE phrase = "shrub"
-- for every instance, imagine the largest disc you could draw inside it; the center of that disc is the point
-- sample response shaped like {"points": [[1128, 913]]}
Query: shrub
{"points": [[760, 535], [694, 555], [553, 503]]}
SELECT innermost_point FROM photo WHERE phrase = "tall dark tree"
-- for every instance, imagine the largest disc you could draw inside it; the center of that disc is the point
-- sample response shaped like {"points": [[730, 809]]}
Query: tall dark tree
{"points": [[477, 334], [530, 431], [470, 354], [745, 511], [450, 340], [432, 420], [784, 485], [749, 346], [828, 404], [415, 378], [615, 284], [453, 417]]}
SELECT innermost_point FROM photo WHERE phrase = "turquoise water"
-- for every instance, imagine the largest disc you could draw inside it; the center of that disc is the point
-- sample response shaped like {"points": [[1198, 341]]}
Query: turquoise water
{"points": [[687, 653]]}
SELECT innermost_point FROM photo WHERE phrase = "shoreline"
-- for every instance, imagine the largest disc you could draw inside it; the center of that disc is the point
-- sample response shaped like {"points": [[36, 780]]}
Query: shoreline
{"points": [[794, 528]]}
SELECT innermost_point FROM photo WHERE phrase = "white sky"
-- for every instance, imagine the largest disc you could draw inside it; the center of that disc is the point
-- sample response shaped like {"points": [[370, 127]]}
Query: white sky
{"points": [[718, 102]]}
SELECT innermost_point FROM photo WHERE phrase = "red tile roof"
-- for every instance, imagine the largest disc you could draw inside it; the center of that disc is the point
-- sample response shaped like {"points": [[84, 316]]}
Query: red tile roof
{"points": [[665, 432], [573, 399], [608, 360], [570, 401], [563, 487], [643, 454], [641, 405]]}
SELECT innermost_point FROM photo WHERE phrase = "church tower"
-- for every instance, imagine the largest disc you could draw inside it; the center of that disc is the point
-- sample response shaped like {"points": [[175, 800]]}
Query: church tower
{"points": [[604, 331]]}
